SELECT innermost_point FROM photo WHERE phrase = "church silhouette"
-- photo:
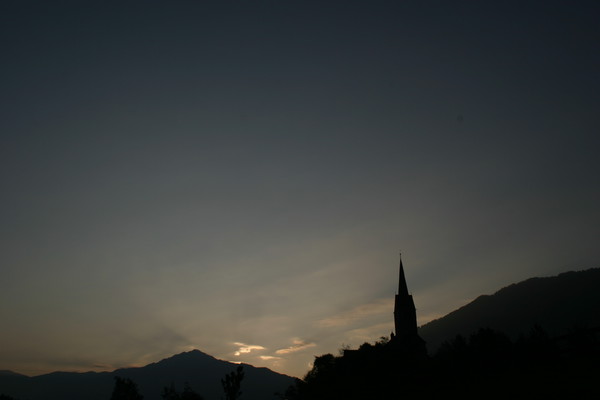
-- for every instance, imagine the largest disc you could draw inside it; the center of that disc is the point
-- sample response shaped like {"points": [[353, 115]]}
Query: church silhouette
{"points": [[405, 343], [406, 338]]}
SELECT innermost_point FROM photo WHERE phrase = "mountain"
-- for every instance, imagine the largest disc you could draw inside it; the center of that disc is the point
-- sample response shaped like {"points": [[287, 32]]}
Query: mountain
{"points": [[7, 373], [558, 304], [201, 371]]}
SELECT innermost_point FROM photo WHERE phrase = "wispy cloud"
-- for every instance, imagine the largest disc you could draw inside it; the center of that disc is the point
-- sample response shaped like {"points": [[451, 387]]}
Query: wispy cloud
{"points": [[358, 313], [298, 345], [246, 348], [369, 333], [269, 358], [105, 367]]}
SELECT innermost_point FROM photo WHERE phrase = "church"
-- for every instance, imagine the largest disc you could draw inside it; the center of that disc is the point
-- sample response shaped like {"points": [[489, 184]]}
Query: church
{"points": [[406, 337]]}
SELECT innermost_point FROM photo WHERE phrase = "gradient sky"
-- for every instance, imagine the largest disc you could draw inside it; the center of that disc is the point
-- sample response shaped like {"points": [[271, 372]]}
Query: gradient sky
{"points": [[239, 177]]}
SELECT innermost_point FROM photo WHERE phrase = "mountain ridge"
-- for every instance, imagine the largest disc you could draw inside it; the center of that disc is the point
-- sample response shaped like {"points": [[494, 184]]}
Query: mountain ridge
{"points": [[7, 372], [201, 371], [556, 303]]}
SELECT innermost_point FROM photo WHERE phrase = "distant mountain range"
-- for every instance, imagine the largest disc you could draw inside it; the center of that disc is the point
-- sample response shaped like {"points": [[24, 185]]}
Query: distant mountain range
{"points": [[558, 304], [202, 372]]}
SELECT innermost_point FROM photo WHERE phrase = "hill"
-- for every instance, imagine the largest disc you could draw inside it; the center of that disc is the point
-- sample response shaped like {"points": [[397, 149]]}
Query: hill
{"points": [[558, 304], [201, 371]]}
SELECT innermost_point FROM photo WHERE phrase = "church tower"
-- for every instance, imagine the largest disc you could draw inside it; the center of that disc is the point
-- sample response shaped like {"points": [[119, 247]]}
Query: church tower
{"points": [[405, 318], [405, 313]]}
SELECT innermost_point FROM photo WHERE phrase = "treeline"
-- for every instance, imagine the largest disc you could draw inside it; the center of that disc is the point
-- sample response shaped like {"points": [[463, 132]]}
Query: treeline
{"points": [[127, 389], [485, 365]]}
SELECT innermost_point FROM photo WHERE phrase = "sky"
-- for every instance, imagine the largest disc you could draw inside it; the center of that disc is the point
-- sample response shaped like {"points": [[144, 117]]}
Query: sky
{"points": [[239, 176]]}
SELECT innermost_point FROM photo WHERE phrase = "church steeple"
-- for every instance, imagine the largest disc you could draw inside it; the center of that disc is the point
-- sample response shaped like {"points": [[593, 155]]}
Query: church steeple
{"points": [[405, 319], [402, 288]]}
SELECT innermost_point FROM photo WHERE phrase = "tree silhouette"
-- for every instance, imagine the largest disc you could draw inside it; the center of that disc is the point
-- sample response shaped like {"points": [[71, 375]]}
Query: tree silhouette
{"points": [[170, 393], [189, 394], [232, 382], [323, 368], [486, 364], [125, 389]]}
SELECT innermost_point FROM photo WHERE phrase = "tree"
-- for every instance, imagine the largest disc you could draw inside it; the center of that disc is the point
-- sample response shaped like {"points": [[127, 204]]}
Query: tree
{"points": [[232, 382], [170, 393], [125, 389], [189, 394]]}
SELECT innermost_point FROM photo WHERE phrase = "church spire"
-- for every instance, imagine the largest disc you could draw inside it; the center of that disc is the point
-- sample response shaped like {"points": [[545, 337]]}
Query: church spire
{"points": [[405, 320], [402, 288]]}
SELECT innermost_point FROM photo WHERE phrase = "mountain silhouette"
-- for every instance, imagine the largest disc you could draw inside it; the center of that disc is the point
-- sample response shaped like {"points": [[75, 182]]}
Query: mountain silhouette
{"points": [[201, 371], [7, 373], [558, 304]]}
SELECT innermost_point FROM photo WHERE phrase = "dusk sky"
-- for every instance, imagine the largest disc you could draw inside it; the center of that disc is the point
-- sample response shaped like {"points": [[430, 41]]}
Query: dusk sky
{"points": [[239, 176]]}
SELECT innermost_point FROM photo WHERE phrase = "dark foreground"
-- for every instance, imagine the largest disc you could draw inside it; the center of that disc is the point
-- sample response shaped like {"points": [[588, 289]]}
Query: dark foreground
{"points": [[487, 365]]}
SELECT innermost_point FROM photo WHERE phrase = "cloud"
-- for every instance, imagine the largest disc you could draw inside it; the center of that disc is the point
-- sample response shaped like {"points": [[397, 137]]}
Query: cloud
{"points": [[298, 345], [105, 367], [269, 358], [246, 348], [369, 333], [360, 312]]}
